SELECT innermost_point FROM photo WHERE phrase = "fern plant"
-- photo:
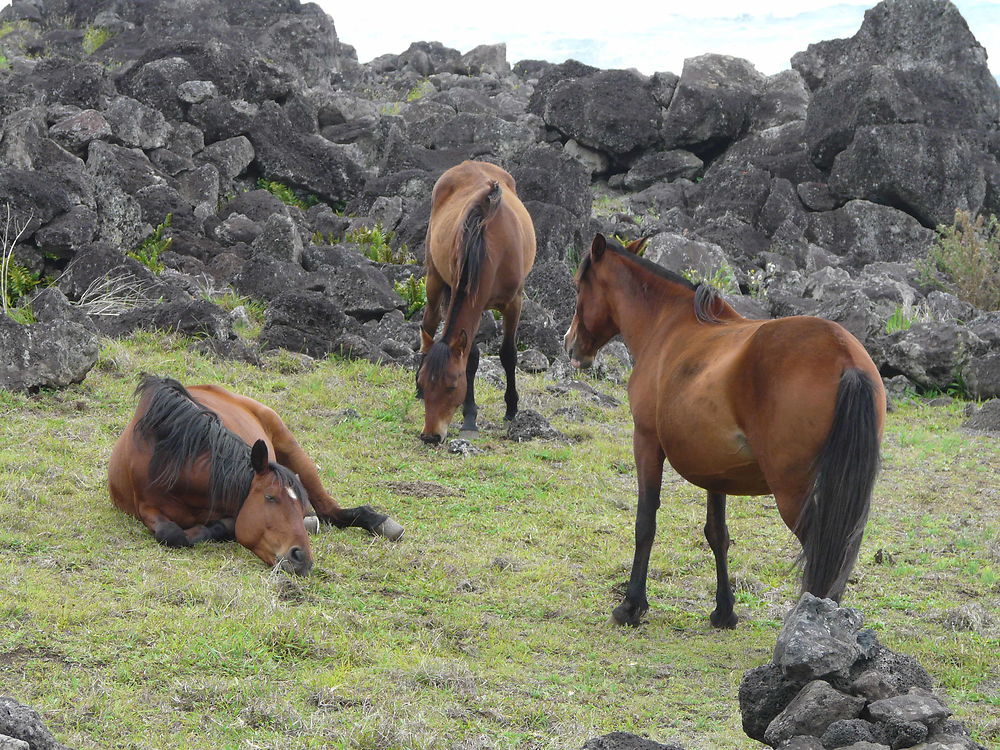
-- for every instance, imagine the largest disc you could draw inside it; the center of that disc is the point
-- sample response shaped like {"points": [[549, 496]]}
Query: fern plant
{"points": [[414, 294], [149, 250]]}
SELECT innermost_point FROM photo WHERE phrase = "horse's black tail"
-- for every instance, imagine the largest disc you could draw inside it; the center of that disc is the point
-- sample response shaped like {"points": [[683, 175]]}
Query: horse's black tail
{"points": [[833, 516], [473, 241]]}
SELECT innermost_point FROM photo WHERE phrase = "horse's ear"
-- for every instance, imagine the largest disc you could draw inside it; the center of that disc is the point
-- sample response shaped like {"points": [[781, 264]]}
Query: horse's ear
{"points": [[637, 247], [598, 246], [426, 340], [258, 457], [461, 343]]}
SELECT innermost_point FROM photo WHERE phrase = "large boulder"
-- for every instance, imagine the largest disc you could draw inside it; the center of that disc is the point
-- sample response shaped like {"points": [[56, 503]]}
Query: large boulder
{"points": [[309, 162], [863, 232], [929, 173], [712, 104], [931, 354], [44, 355], [611, 110]]}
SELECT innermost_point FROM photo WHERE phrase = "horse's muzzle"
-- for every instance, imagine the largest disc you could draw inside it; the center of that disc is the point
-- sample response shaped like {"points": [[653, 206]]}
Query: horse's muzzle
{"points": [[297, 561], [432, 438]]}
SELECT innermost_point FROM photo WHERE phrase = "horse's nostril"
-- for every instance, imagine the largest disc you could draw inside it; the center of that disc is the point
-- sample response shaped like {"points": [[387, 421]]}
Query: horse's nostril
{"points": [[296, 555], [431, 439]]}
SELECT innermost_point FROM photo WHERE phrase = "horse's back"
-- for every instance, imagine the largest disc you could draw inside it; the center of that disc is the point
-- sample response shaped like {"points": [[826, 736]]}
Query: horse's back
{"points": [[510, 234]]}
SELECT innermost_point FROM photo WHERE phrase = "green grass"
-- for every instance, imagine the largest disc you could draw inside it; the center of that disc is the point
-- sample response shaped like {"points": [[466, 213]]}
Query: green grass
{"points": [[487, 624]]}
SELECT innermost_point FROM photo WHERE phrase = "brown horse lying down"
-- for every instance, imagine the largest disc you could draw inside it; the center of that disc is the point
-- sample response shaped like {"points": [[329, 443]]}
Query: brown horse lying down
{"points": [[185, 467], [792, 407], [480, 246]]}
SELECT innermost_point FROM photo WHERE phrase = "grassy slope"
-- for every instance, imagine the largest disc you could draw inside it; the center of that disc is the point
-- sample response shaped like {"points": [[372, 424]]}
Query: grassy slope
{"points": [[487, 625]]}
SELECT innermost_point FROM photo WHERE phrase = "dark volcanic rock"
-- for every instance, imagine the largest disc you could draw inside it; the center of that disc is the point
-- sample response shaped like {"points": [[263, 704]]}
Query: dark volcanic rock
{"points": [[764, 693], [23, 723], [986, 417], [309, 162], [307, 322], [926, 172], [931, 353], [611, 110], [625, 741], [44, 355], [811, 712], [712, 103], [195, 318]]}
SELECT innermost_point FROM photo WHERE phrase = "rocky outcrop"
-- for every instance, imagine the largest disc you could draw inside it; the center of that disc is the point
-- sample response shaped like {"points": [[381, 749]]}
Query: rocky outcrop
{"points": [[832, 685], [814, 191]]}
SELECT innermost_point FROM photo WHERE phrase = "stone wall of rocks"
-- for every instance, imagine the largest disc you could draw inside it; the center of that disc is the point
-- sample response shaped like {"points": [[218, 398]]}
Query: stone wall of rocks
{"points": [[816, 190]]}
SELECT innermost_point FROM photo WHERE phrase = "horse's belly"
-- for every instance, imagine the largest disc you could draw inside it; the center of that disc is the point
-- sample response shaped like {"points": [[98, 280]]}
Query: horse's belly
{"points": [[724, 464]]}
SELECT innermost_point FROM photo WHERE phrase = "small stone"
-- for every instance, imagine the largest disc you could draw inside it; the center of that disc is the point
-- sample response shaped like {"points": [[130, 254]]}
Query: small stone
{"points": [[913, 706], [194, 92], [462, 447], [532, 360]]}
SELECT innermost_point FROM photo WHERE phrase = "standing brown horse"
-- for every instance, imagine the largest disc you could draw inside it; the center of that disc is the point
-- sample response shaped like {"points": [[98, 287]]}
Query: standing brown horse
{"points": [[184, 466], [480, 247], [791, 407]]}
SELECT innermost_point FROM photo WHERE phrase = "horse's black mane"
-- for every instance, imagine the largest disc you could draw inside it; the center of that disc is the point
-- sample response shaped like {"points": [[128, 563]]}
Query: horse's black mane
{"points": [[706, 296], [181, 430], [471, 260]]}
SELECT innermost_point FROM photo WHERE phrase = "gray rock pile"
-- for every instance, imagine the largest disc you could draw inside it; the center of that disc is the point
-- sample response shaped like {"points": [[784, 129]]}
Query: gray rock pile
{"points": [[770, 186], [832, 685]]}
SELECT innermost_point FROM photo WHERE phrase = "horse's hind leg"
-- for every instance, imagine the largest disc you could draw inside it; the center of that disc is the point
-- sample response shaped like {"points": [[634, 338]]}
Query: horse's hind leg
{"points": [[649, 467], [508, 354], [717, 534], [469, 410]]}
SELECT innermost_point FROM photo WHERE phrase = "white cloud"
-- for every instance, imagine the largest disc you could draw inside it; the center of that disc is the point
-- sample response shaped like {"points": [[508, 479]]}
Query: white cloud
{"points": [[629, 33]]}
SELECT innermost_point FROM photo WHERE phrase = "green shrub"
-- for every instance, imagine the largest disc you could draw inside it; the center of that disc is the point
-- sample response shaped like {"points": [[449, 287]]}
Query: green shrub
{"points": [[414, 293], [722, 278], [94, 37], [968, 254], [900, 320], [149, 250], [376, 245], [287, 195], [420, 90]]}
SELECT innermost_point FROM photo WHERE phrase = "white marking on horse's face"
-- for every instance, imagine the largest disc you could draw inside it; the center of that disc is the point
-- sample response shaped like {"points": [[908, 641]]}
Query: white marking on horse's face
{"points": [[291, 494]]}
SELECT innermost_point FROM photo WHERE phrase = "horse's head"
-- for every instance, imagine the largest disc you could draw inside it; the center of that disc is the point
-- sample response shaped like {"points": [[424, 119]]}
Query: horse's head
{"points": [[443, 381], [270, 522], [593, 325]]}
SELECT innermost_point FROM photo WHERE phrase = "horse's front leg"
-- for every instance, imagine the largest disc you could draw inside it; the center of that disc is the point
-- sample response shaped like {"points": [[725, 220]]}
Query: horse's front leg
{"points": [[437, 293], [170, 534], [469, 409], [717, 534], [508, 354], [289, 453], [649, 468]]}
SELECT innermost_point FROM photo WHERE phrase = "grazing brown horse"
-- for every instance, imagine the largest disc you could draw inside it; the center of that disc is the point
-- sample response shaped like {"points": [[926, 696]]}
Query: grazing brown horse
{"points": [[185, 467], [480, 247], [792, 407]]}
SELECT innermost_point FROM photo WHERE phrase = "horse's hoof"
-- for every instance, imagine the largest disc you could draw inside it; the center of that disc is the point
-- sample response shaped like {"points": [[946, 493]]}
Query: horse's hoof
{"points": [[626, 616], [468, 434], [389, 529], [726, 620], [312, 524]]}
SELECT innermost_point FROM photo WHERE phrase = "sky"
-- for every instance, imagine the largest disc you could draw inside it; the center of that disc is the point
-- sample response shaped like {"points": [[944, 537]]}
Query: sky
{"points": [[625, 33]]}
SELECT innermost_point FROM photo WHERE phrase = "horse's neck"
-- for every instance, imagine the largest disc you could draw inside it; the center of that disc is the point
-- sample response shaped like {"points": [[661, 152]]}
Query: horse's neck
{"points": [[649, 308]]}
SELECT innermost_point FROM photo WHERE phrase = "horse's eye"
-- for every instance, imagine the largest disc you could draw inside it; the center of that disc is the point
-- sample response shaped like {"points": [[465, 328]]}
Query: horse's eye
{"points": [[271, 498]]}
